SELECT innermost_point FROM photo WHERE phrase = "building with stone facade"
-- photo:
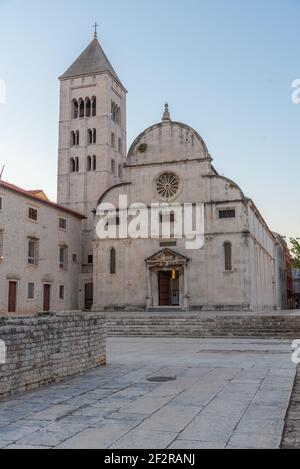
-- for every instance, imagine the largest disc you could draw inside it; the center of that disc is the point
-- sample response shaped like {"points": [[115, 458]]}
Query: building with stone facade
{"points": [[281, 269], [168, 163], [40, 253]]}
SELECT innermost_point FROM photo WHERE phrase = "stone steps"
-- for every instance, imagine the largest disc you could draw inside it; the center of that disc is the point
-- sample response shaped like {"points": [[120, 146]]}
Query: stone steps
{"points": [[204, 327]]}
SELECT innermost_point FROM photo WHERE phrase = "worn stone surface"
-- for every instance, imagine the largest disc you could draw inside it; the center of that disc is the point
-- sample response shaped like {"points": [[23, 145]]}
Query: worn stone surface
{"points": [[44, 350], [226, 394]]}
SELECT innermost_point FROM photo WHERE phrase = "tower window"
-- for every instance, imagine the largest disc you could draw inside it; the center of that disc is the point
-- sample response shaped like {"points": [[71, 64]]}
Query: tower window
{"points": [[228, 256], [94, 106], [120, 145], [81, 108], [113, 259], [75, 109], [120, 170], [73, 139], [89, 163], [74, 165], [113, 140], [92, 136], [94, 163], [77, 137], [88, 107], [115, 113]]}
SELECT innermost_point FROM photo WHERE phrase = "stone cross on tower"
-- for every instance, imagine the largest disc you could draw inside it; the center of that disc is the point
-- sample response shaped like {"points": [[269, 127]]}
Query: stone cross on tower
{"points": [[96, 30]]}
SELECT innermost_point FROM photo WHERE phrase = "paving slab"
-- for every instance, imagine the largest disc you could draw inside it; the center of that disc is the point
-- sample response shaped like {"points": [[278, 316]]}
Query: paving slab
{"points": [[186, 444], [97, 438], [137, 439]]}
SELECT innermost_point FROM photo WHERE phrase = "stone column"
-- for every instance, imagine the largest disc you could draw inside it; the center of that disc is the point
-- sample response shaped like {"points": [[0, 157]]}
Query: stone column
{"points": [[186, 296], [149, 299]]}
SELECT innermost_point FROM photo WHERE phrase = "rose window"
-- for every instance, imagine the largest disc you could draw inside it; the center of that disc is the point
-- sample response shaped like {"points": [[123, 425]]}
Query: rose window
{"points": [[167, 185]]}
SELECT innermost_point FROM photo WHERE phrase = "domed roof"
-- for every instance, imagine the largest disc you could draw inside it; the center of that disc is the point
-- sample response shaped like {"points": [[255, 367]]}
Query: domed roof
{"points": [[167, 141]]}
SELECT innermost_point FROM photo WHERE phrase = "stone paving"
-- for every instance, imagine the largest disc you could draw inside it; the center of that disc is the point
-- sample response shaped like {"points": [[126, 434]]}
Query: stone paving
{"points": [[223, 394]]}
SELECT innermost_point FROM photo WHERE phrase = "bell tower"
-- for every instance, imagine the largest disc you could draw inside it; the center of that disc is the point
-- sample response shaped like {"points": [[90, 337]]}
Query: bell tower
{"points": [[92, 139]]}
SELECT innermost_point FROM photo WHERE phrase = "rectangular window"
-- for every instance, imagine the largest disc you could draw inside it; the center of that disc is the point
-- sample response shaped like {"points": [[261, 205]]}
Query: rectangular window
{"points": [[30, 291], [228, 257], [62, 224], [61, 292], [227, 213], [0, 203], [74, 257], [33, 214], [90, 259], [33, 251], [63, 258]]}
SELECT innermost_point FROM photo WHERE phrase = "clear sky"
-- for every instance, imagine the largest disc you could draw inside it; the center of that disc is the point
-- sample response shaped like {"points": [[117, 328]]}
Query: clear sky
{"points": [[225, 67]]}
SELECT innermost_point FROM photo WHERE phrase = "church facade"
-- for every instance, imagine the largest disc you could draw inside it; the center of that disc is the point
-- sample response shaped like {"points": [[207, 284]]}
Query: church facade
{"points": [[234, 269]]}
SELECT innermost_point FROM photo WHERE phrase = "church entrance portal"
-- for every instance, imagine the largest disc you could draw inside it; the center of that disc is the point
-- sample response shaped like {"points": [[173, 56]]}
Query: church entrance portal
{"points": [[168, 288]]}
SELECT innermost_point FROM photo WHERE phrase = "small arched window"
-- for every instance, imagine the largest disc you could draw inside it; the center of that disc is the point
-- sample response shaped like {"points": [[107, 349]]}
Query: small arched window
{"points": [[94, 106], [94, 133], [77, 165], [75, 109], [88, 107], [120, 170], [73, 138], [77, 138], [89, 163], [113, 260], [94, 163], [72, 165], [228, 256], [113, 166], [90, 137], [81, 108]]}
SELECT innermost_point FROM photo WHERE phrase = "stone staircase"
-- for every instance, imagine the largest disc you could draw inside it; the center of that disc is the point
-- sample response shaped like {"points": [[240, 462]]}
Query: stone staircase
{"points": [[199, 326]]}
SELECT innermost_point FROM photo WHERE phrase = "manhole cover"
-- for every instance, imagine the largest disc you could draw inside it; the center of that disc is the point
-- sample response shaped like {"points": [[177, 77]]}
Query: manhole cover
{"points": [[161, 379]]}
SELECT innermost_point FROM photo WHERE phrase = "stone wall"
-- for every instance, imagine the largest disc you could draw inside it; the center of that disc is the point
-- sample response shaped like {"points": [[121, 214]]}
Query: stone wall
{"points": [[47, 349]]}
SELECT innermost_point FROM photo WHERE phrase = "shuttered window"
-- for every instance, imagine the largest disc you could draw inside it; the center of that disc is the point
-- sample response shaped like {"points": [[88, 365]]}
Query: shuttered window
{"points": [[63, 258], [33, 251]]}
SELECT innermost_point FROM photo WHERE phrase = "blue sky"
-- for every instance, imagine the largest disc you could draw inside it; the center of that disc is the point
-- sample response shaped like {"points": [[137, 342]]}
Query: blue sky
{"points": [[225, 67]]}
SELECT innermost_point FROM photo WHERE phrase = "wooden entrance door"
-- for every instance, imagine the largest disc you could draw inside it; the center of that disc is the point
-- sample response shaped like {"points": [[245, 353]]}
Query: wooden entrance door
{"points": [[164, 281], [12, 297], [89, 296], [47, 295]]}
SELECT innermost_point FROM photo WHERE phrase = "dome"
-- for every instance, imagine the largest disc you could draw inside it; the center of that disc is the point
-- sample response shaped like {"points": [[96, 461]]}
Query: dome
{"points": [[167, 142]]}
